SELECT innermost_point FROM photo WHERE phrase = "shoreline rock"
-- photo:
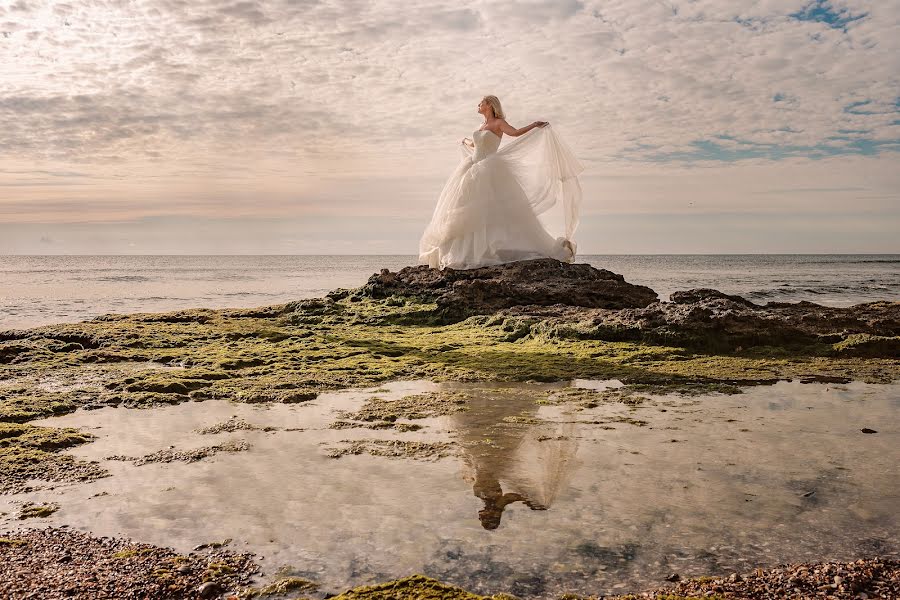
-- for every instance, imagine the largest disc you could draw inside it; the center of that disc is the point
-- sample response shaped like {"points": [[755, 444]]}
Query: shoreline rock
{"points": [[60, 563], [55, 563], [583, 302], [543, 281], [716, 323]]}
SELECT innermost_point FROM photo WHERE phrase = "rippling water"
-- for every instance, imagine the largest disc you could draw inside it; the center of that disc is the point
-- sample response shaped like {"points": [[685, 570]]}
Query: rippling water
{"points": [[37, 290]]}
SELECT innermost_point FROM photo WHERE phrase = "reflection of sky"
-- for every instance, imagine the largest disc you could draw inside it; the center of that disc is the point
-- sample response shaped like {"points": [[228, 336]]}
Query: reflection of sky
{"points": [[742, 487], [778, 124]]}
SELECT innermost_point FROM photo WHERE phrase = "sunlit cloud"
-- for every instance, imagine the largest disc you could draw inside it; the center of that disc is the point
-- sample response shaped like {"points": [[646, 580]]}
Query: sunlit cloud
{"points": [[114, 112]]}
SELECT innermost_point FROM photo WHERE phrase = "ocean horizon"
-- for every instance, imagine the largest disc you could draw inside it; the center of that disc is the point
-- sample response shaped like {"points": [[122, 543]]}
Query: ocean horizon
{"points": [[45, 289]]}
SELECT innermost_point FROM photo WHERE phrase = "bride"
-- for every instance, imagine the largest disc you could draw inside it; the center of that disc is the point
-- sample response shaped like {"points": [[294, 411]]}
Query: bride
{"points": [[505, 204]]}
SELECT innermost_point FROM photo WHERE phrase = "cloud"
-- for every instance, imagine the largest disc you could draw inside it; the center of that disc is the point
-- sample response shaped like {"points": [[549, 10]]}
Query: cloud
{"points": [[167, 106]]}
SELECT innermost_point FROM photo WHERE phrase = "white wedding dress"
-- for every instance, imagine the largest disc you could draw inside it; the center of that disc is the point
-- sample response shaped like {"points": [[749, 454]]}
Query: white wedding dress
{"points": [[506, 204]]}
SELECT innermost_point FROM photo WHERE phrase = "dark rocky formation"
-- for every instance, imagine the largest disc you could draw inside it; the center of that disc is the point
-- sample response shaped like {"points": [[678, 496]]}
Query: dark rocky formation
{"points": [[549, 297], [712, 321], [698, 294], [542, 282]]}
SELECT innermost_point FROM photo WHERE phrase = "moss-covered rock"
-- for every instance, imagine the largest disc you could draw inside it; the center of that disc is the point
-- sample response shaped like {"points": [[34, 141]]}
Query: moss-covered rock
{"points": [[416, 587], [28, 452], [280, 587], [266, 356], [30, 510], [292, 352]]}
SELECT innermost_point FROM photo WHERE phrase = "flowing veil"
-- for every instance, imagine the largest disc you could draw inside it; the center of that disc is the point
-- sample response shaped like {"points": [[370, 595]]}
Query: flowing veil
{"points": [[547, 170], [544, 461]]}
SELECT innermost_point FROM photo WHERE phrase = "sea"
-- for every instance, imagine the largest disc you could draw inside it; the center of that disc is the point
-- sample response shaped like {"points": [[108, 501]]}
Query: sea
{"points": [[41, 290]]}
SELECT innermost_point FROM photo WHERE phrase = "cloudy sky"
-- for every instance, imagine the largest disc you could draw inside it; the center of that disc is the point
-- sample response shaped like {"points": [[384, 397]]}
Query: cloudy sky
{"points": [[307, 126]]}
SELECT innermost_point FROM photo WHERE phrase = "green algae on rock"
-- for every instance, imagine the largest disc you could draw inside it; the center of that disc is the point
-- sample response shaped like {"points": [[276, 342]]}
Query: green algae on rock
{"points": [[231, 425], [8, 542], [292, 352], [392, 449], [188, 456], [418, 406], [29, 452], [270, 357], [416, 587], [31, 510], [401, 427], [280, 587]]}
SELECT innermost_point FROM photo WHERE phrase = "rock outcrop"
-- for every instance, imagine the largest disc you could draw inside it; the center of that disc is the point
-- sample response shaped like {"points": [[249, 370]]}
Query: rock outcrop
{"points": [[548, 297], [709, 320], [540, 282]]}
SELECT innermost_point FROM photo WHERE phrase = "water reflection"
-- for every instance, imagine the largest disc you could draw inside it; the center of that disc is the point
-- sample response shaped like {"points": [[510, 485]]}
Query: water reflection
{"points": [[510, 454], [708, 486]]}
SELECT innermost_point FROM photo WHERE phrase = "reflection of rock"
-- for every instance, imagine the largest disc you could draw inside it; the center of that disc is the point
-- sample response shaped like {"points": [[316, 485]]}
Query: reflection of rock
{"points": [[541, 281]]}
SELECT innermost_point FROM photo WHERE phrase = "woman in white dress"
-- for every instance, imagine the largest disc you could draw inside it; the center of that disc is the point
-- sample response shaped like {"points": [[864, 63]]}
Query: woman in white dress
{"points": [[505, 204]]}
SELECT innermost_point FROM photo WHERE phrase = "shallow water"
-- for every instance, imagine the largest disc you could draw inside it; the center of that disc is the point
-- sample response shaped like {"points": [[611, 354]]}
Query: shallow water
{"points": [[597, 502]]}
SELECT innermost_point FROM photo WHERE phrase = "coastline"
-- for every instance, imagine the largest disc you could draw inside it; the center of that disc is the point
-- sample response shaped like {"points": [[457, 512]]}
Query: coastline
{"points": [[59, 563], [506, 326]]}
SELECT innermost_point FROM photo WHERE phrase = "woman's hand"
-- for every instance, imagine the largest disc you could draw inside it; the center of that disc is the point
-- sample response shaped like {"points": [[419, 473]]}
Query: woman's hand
{"points": [[541, 123]]}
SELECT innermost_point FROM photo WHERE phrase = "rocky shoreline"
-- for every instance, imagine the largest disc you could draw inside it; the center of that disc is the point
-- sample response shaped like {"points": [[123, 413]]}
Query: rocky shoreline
{"points": [[582, 302], [538, 320], [56, 563]]}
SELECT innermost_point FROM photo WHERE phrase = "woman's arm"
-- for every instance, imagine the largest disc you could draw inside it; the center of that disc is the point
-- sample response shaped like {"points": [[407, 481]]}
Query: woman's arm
{"points": [[510, 130]]}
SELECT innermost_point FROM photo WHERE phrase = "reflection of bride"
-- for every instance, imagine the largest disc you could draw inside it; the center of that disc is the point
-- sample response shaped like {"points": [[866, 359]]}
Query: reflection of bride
{"points": [[505, 204], [502, 450]]}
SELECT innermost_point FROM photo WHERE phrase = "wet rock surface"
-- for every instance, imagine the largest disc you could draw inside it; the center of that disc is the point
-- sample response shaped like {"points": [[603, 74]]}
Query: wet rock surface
{"points": [[231, 425], [30, 510], [530, 282], [187, 456], [392, 449], [28, 453], [417, 406], [859, 580]]}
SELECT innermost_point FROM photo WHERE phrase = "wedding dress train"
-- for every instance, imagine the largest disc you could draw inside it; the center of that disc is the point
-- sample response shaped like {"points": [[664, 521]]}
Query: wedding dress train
{"points": [[506, 204]]}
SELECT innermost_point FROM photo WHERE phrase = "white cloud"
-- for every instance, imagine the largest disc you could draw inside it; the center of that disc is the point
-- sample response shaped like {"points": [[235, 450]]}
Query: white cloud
{"points": [[352, 108]]}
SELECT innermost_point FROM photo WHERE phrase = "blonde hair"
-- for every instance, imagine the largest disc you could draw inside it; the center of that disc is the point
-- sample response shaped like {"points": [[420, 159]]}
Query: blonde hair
{"points": [[495, 106]]}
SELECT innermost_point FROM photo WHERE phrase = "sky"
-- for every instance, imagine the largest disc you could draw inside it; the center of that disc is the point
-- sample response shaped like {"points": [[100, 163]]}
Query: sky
{"points": [[326, 127]]}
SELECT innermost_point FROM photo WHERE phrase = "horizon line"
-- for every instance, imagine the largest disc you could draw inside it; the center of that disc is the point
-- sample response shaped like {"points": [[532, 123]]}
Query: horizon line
{"points": [[585, 254]]}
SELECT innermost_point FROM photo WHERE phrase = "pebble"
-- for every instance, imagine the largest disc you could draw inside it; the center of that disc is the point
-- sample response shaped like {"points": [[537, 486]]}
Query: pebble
{"points": [[858, 580], [210, 589], [54, 564]]}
